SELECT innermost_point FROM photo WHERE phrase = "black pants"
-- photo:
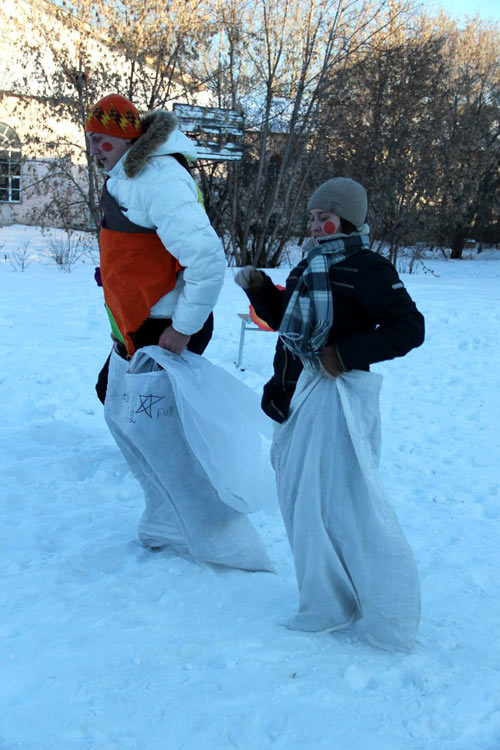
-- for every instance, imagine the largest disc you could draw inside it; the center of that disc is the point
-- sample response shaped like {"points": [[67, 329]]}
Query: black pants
{"points": [[147, 335]]}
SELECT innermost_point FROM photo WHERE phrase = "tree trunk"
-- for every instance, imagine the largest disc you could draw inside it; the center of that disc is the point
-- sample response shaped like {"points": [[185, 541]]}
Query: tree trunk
{"points": [[457, 243]]}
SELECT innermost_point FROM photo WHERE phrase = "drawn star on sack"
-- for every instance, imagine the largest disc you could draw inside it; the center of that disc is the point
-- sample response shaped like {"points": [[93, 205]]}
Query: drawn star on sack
{"points": [[147, 403]]}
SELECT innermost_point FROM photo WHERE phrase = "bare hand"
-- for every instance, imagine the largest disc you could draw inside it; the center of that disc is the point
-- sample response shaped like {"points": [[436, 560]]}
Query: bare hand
{"points": [[331, 361], [173, 341]]}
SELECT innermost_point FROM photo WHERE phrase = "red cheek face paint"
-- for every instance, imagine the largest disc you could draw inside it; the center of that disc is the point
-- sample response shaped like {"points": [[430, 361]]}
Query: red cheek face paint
{"points": [[329, 227], [106, 146]]}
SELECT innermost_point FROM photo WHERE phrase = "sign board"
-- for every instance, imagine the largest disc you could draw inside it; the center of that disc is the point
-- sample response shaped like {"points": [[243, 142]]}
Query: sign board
{"points": [[218, 132]]}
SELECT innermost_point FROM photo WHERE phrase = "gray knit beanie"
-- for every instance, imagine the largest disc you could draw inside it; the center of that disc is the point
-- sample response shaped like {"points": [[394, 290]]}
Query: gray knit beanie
{"points": [[341, 196]]}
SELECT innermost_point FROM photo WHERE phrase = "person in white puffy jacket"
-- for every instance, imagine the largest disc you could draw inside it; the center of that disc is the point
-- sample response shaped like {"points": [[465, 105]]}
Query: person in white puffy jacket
{"points": [[161, 268], [162, 264]]}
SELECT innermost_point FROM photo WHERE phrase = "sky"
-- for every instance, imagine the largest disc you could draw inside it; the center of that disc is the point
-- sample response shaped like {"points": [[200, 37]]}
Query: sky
{"points": [[487, 9]]}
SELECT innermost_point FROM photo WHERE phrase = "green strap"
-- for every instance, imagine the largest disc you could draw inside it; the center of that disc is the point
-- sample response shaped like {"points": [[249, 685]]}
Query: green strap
{"points": [[114, 328]]}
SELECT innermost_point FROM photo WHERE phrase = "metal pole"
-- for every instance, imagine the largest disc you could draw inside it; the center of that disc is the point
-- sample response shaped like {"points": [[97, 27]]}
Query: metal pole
{"points": [[242, 341]]}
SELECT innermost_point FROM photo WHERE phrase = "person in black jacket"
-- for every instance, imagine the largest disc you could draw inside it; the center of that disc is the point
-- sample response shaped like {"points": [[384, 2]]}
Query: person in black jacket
{"points": [[374, 318], [344, 308]]}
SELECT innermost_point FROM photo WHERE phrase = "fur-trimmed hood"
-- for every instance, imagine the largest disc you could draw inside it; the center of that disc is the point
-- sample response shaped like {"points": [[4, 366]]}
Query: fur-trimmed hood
{"points": [[160, 136]]}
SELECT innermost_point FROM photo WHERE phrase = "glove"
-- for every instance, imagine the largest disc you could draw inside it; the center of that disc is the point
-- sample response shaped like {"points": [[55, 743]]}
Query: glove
{"points": [[275, 401], [249, 278], [331, 361], [97, 276]]}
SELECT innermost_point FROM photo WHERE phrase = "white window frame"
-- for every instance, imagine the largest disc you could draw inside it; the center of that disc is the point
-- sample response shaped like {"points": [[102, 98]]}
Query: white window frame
{"points": [[10, 165]]}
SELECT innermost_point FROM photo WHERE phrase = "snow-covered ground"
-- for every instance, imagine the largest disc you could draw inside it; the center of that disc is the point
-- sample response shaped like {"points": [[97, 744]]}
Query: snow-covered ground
{"points": [[106, 645]]}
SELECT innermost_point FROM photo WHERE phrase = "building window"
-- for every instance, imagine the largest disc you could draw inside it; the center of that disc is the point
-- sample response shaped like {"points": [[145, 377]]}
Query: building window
{"points": [[10, 165]]}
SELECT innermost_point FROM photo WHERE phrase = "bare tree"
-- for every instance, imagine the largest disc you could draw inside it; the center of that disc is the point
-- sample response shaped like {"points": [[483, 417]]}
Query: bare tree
{"points": [[470, 144], [76, 53], [401, 124], [274, 61], [383, 133], [406, 104]]}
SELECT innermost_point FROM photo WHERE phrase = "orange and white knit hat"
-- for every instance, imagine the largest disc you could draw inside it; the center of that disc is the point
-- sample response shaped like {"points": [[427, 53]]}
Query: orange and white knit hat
{"points": [[114, 115]]}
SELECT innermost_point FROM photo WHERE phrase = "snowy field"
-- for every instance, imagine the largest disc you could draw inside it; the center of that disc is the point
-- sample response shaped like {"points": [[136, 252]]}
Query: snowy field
{"points": [[108, 646]]}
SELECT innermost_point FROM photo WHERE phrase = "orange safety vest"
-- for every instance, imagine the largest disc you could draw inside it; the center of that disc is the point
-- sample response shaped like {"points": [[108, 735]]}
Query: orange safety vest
{"points": [[136, 269]]}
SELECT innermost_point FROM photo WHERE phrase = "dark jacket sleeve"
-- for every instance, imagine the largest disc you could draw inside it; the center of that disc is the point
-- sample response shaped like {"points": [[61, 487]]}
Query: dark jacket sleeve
{"points": [[399, 326], [267, 301], [278, 391]]}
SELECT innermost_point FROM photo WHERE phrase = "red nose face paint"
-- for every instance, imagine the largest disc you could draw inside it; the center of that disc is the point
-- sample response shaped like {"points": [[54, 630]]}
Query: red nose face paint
{"points": [[106, 146], [329, 227]]}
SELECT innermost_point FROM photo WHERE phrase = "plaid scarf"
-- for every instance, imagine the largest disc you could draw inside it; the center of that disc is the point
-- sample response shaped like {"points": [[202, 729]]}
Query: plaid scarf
{"points": [[308, 317]]}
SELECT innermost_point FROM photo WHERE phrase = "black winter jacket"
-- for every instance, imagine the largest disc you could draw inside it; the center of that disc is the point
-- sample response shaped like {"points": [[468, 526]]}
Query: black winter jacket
{"points": [[375, 319]]}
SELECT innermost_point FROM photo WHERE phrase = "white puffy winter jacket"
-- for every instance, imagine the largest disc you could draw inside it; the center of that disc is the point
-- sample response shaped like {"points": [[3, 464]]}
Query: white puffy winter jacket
{"points": [[153, 190]]}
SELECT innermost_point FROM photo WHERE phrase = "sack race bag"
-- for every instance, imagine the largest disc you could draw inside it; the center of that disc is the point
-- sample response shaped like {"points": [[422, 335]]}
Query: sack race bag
{"points": [[351, 558], [191, 434]]}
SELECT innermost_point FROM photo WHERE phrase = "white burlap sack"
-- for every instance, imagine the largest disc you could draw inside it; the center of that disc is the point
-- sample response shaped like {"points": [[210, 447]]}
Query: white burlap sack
{"points": [[351, 558], [191, 434]]}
